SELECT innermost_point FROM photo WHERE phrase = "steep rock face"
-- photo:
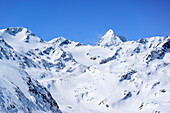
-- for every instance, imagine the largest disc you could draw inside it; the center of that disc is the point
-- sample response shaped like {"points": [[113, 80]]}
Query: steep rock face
{"points": [[160, 51], [20, 93], [8, 53], [111, 39]]}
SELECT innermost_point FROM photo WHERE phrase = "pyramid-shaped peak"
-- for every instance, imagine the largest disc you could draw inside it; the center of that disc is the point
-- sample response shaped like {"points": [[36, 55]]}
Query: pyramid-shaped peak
{"points": [[110, 38], [110, 31]]}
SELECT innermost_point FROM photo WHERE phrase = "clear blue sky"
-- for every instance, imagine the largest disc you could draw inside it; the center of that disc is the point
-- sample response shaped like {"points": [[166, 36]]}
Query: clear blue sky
{"points": [[86, 20]]}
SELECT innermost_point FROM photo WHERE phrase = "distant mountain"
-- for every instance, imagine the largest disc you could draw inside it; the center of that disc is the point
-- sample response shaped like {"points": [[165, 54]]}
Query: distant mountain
{"points": [[110, 38], [115, 76]]}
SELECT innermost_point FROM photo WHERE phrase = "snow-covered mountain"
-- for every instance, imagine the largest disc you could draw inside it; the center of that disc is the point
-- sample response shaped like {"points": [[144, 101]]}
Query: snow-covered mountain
{"points": [[115, 76], [111, 39]]}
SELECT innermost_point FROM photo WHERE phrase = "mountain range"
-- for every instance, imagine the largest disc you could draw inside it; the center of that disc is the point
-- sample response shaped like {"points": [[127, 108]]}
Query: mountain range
{"points": [[64, 76]]}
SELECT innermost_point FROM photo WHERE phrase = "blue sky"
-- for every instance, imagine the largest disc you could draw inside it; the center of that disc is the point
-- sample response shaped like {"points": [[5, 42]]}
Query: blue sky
{"points": [[87, 20]]}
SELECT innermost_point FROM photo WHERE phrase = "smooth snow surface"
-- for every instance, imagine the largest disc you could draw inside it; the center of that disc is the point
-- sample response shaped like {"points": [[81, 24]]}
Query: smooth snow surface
{"points": [[115, 76]]}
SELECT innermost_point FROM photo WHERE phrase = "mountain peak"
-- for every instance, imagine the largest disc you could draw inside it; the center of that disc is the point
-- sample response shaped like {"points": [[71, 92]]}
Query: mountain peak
{"points": [[19, 34], [110, 31], [18, 37], [57, 40], [15, 30], [110, 38], [60, 41]]}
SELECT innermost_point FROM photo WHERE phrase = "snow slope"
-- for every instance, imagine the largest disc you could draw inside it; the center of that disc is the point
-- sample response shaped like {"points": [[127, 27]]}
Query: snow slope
{"points": [[19, 92], [115, 76]]}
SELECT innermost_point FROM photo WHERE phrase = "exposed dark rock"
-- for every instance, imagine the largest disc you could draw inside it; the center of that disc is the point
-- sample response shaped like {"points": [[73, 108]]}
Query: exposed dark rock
{"points": [[128, 95], [14, 31], [159, 53], [64, 43], [42, 96], [127, 76], [110, 58], [143, 41]]}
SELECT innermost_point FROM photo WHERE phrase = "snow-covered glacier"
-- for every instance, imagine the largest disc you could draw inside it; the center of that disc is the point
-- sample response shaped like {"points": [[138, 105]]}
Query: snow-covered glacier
{"points": [[113, 76]]}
